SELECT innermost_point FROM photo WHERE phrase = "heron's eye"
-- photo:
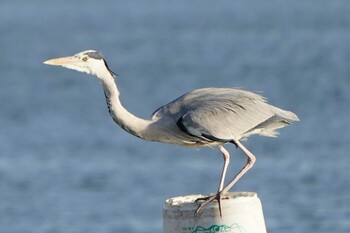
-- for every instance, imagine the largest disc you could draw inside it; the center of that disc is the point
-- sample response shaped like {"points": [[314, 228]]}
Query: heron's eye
{"points": [[85, 58]]}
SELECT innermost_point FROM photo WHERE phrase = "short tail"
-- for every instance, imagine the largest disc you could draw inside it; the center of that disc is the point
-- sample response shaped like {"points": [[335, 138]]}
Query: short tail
{"points": [[280, 120], [269, 127]]}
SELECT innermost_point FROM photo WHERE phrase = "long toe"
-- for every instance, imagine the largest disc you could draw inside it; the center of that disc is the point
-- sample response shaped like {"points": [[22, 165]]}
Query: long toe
{"points": [[203, 201]]}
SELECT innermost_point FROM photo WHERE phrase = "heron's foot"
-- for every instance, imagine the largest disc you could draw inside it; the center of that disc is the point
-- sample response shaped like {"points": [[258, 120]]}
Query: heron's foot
{"points": [[203, 201]]}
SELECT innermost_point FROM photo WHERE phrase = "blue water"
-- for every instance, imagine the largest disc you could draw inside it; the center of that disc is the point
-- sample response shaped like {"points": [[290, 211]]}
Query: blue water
{"points": [[65, 167]]}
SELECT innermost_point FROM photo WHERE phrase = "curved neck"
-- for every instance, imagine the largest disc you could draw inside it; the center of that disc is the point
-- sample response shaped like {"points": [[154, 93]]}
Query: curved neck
{"points": [[120, 115]]}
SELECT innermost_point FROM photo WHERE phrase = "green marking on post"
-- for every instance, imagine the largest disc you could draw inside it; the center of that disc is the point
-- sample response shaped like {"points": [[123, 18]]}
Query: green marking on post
{"points": [[234, 228]]}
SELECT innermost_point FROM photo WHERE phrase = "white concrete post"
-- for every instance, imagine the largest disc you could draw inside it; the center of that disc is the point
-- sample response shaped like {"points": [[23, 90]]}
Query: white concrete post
{"points": [[242, 213]]}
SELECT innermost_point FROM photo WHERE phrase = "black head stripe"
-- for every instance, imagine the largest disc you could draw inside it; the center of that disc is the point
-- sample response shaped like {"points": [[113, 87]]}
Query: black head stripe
{"points": [[94, 54]]}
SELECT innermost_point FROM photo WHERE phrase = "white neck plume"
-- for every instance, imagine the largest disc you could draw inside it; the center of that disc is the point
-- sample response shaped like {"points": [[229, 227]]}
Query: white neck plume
{"points": [[120, 115]]}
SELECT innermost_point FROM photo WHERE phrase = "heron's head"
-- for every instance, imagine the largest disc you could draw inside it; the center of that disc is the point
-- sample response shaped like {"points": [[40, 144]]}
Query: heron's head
{"points": [[89, 61]]}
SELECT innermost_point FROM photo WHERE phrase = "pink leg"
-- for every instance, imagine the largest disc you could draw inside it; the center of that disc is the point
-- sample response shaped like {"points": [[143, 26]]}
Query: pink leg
{"points": [[250, 162], [226, 157]]}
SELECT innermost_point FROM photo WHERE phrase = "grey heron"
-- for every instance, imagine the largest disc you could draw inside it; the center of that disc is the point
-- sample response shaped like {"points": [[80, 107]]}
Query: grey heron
{"points": [[202, 117]]}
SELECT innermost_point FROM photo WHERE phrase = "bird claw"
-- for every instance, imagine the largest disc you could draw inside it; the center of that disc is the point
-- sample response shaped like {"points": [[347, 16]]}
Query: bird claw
{"points": [[206, 200]]}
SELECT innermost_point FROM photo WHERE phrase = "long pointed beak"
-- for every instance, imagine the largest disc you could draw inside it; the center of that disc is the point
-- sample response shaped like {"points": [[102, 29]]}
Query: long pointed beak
{"points": [[62, 61]]}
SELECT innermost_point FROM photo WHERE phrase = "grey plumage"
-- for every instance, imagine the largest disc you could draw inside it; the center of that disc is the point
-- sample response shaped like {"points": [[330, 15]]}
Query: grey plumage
{"points": [[203, 117], [225, 114]]}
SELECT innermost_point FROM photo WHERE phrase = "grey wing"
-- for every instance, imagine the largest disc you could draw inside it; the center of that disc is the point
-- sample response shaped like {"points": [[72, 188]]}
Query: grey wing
{"points": [[224, 114]]}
